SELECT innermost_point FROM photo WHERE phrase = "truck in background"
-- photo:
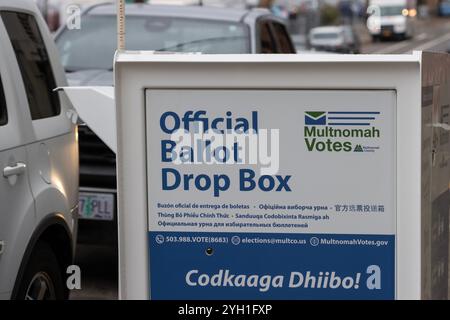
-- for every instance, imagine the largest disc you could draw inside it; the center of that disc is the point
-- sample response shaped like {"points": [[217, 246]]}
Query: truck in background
{"points": [[394, 19]]}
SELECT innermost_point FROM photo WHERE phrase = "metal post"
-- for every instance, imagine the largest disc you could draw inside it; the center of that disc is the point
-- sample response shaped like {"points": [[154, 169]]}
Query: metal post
{"points": [[120, 25]]}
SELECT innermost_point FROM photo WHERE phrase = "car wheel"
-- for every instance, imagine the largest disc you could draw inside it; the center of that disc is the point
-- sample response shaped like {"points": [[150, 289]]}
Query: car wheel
{"points": [[42, 279], [375, 38]]}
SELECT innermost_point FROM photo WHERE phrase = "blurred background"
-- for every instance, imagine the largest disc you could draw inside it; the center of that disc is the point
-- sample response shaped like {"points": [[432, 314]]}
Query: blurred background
{"points": [[302, 16], [85, 34]]}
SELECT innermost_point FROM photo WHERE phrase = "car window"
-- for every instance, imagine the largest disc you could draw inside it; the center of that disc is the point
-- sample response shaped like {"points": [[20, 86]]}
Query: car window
{"points": [[3, 112], [326, 36], [34, 64], [391, 10], [267, 43], [148, 33], [283, 39]]}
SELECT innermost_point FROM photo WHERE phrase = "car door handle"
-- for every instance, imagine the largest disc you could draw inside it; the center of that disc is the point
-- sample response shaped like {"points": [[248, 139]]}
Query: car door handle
{"points": [[16, 170]]}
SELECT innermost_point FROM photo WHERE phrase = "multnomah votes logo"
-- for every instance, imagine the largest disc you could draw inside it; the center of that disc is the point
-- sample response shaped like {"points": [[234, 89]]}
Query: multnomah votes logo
{"points": [[341, 131]]}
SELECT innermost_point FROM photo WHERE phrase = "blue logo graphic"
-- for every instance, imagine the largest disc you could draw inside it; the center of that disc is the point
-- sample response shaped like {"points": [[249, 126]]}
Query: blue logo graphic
{"points": [[315, 118]]}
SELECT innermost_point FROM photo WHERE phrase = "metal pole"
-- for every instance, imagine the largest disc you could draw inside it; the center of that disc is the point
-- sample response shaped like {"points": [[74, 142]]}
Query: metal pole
{"points": [[120, 25]]}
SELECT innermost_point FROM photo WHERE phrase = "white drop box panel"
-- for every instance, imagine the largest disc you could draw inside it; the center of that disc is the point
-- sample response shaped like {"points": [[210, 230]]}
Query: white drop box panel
{"points": [[349, 200]]}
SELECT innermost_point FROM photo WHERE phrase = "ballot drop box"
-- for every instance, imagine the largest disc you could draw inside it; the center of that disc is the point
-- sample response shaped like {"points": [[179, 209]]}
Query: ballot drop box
{"points": [[283, 176]]}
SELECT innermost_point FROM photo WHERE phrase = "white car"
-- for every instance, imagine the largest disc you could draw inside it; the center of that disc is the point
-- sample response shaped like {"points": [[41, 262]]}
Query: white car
{"points": [[38, 160], [341, 39]]}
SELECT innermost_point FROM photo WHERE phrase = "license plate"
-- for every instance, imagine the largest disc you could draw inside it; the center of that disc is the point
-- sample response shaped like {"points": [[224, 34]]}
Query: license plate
{"points": [[96, 206], [387, 33]]}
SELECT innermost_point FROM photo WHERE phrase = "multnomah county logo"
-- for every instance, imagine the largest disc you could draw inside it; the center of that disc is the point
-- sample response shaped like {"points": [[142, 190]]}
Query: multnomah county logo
{"points": [[341, 131]]}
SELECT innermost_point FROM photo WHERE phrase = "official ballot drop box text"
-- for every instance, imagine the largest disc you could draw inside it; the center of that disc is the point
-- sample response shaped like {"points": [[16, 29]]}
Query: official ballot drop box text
{"points": [[283, 177]]}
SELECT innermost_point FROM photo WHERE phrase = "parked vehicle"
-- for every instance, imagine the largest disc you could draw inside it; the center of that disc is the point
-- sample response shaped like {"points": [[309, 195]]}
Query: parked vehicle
{"points": [[38, 160], [340, 39], [149, 27], [391, 19]]}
